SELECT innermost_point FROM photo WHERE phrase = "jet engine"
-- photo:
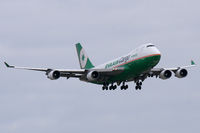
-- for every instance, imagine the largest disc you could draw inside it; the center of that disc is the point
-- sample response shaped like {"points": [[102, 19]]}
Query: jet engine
{"points": [[181, 73], [93, 76], [53, 75], [165, 74]]}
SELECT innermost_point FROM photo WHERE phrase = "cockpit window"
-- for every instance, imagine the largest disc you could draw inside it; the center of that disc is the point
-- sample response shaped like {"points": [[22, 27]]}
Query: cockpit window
{"points": [[150, 46]]}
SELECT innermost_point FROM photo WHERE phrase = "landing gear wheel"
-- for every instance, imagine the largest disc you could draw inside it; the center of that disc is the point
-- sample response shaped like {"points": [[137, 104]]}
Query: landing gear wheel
{"points": [[136, 87], [106, 88], [139, 87], [139, 83], [115, 87], [103, 88], [126, 87], [122, 87], [112, 87]]}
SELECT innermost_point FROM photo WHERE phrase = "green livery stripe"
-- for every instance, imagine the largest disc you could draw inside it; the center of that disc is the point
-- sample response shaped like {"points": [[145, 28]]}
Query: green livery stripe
{"points": [[89, 65], [137, 59], [78, 49]]}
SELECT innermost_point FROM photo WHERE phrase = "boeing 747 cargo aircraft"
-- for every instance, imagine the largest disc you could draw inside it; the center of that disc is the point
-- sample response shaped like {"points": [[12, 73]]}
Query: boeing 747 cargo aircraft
{"points": [[136, 66]]}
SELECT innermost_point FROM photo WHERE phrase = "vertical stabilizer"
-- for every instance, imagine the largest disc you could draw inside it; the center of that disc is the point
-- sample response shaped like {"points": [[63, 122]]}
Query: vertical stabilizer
{"points": [[84, 61]]}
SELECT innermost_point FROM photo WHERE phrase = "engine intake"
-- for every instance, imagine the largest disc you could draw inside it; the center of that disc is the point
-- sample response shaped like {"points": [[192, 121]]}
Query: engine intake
{"points": [[181, 73], [93, 76], [165, 74], [53, 75]]}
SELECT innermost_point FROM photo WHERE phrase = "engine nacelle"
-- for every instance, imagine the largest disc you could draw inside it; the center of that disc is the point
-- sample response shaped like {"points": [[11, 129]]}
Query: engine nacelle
{"points": [[53, 75], [181, 73], [93, 76], [165, 74]]}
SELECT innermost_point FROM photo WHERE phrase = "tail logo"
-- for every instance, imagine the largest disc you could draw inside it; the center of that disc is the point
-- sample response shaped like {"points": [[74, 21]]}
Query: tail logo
{"points": [[83, 58]]}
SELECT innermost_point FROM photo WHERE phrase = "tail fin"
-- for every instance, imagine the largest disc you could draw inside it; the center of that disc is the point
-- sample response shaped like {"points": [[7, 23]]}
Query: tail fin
{"points": [[84, 61]]}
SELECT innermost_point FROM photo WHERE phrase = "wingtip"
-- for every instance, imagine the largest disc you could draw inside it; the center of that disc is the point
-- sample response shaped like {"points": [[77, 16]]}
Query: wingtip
{"points": [[7, 65], [192, 62]]}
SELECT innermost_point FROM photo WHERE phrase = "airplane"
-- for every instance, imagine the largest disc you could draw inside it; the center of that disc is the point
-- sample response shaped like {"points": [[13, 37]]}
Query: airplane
{"points": [[135, 66]]}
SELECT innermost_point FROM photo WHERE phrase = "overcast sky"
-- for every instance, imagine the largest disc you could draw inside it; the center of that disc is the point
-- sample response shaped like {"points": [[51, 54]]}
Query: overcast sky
{"points": [[42, 33]]}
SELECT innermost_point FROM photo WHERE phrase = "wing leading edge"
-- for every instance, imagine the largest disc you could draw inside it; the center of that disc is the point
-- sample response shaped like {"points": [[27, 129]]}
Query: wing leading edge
{"points": [[63, 72], [193, 64], [70, 73]]}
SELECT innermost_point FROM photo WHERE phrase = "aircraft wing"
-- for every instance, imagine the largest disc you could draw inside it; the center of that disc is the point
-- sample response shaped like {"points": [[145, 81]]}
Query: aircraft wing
{"points": [[75, 73], [157, 71], [109, 72], [26, 68], [63, 72]]}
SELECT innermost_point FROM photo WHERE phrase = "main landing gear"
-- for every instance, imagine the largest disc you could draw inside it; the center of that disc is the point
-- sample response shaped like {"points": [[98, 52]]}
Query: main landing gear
{"points": [[105, 86], [124, 87], [114, 87], [138, 85]]}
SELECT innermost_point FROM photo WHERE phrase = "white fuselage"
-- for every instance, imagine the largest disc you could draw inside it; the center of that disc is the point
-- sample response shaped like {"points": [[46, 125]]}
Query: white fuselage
{"points": [[140, 52]]}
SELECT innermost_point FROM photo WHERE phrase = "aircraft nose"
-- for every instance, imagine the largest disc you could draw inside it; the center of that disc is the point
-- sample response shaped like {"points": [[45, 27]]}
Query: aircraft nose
{"points": [[156, 50]]}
